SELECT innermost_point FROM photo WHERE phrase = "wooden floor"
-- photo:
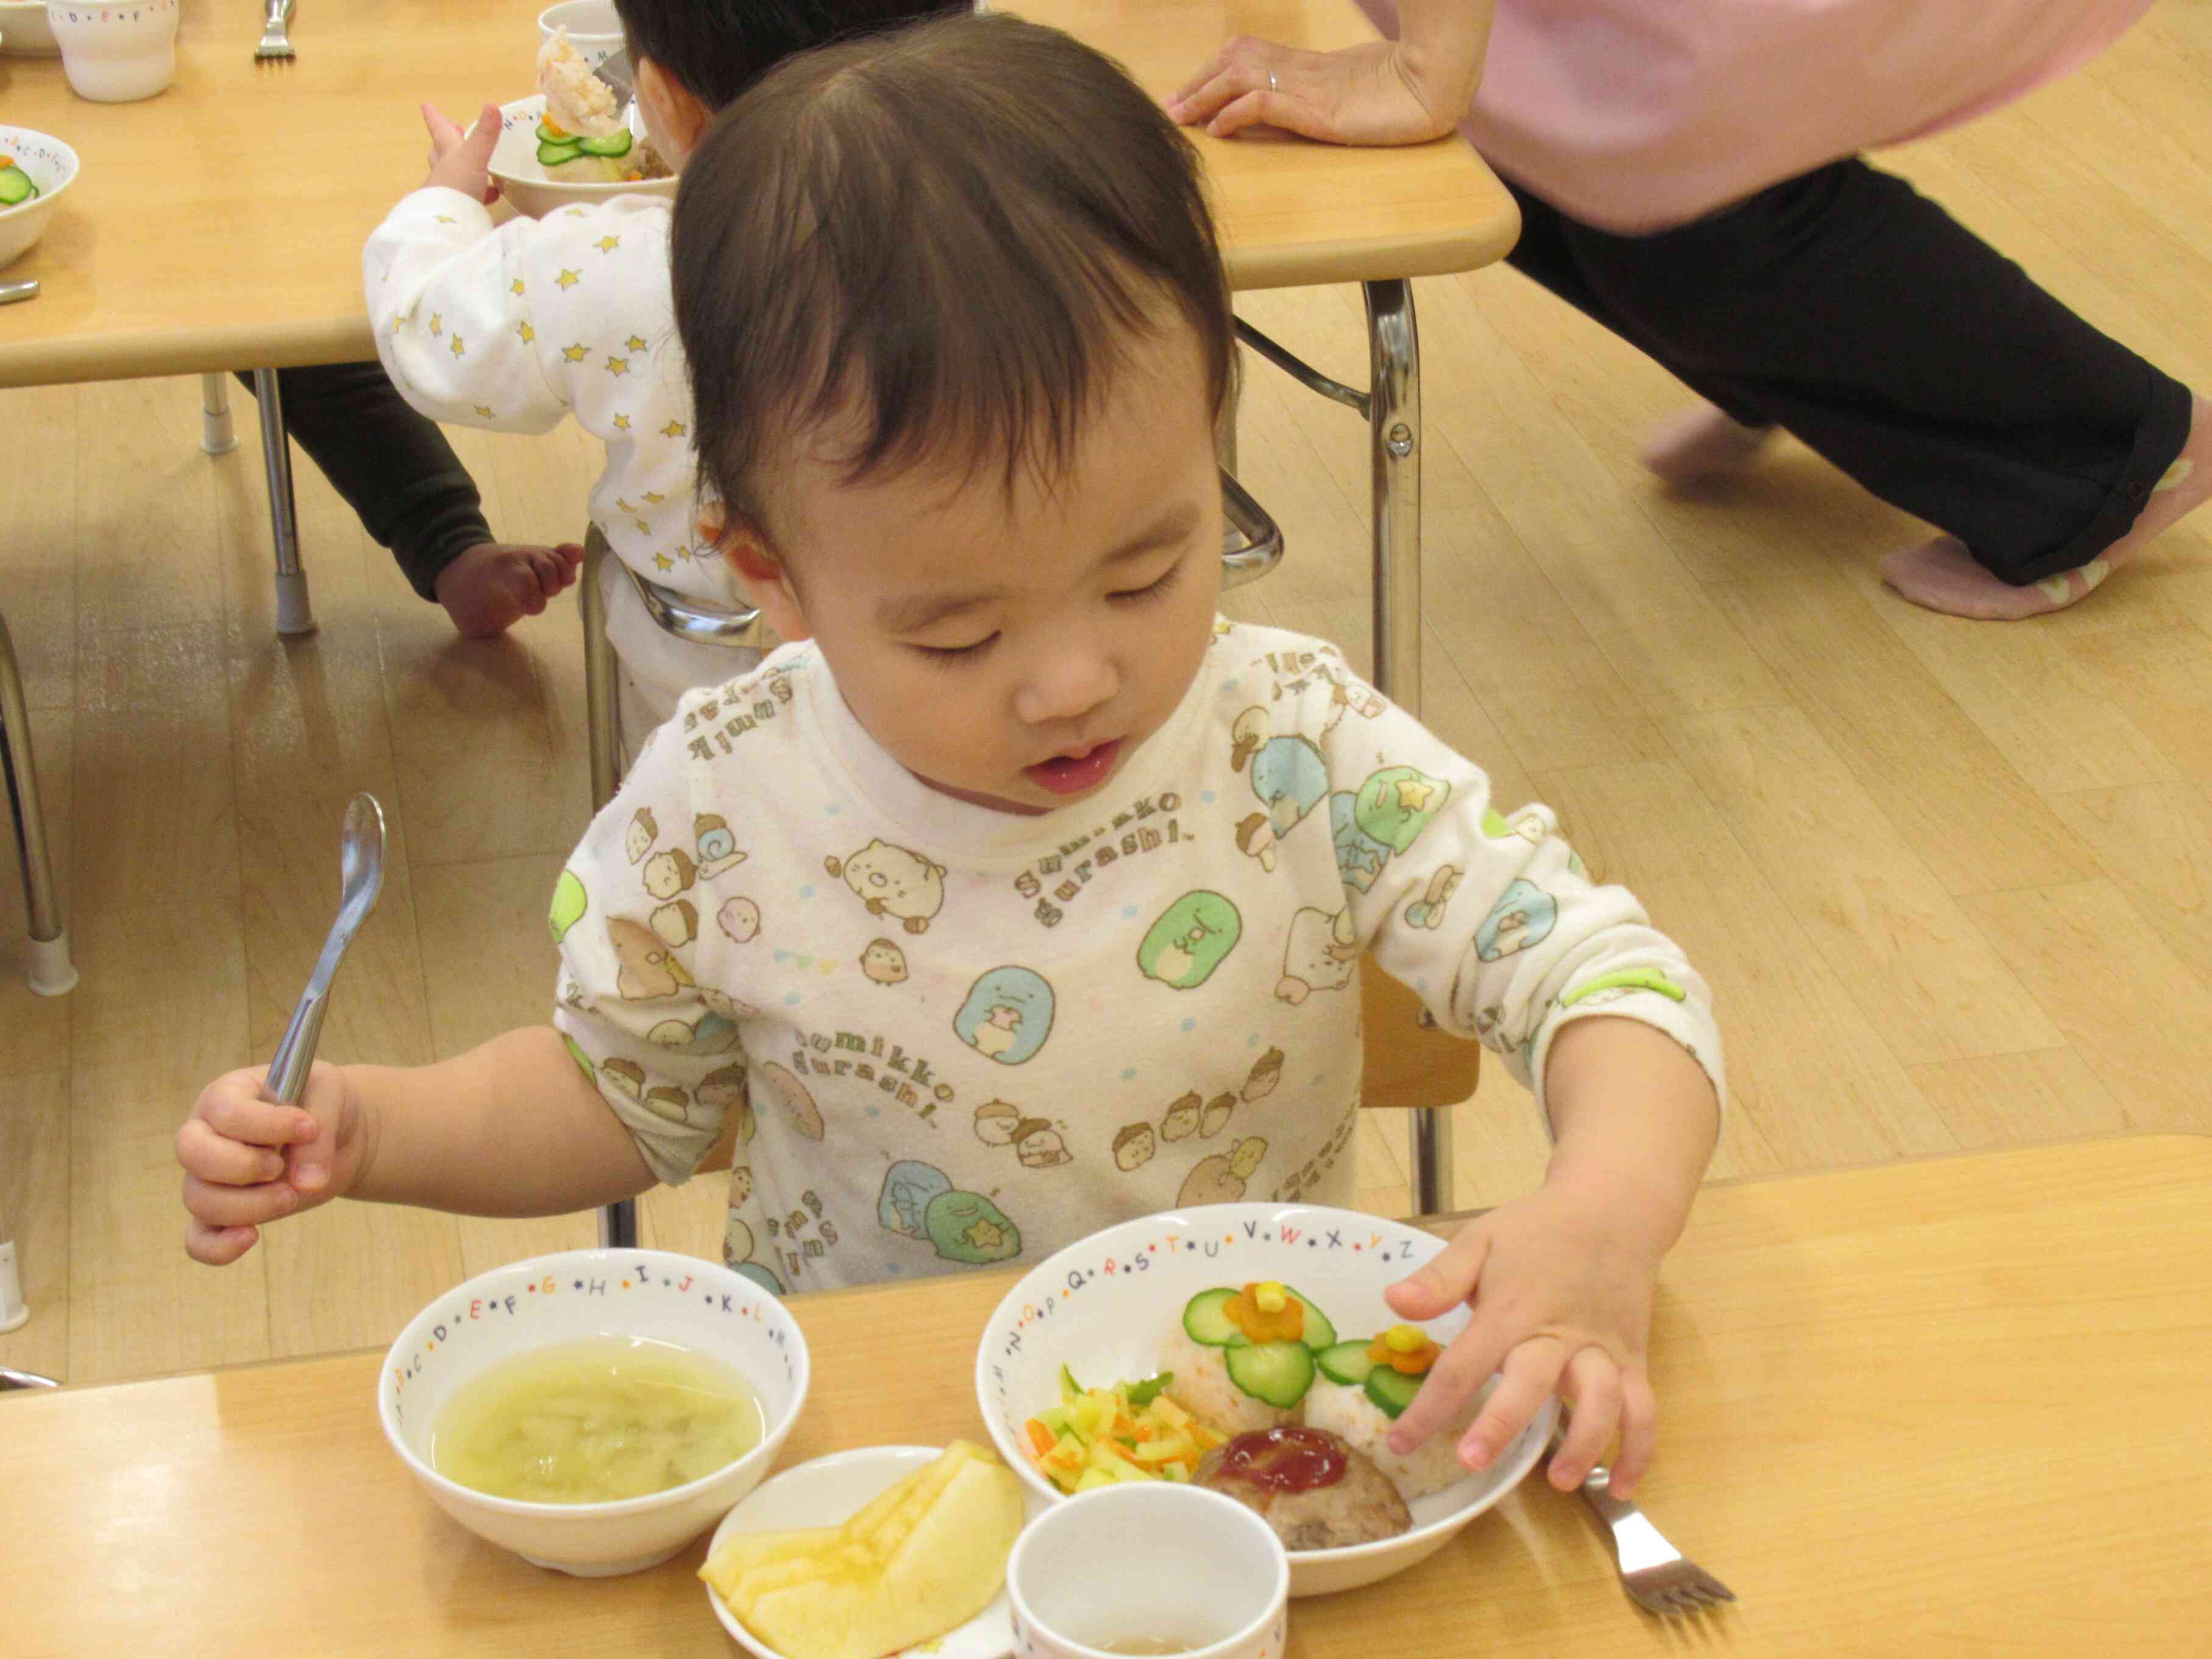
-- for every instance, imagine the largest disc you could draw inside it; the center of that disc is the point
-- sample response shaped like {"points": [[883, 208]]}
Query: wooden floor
{"points": [[1952, 881]]}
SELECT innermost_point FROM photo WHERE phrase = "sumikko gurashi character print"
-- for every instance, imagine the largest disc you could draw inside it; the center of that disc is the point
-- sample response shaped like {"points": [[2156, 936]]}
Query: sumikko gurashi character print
{"points": [[1323, 954], [794, 1099], [1191, 938], [718, 846], [918, 1200], [1007, 1015], [649, 971], [1221, 1177], [1428, 910], [893, 882], [1036, 1142], [1288, 776], [1382, 820], [739, 918], [570, 903], [1523, 915], [883, 963]]}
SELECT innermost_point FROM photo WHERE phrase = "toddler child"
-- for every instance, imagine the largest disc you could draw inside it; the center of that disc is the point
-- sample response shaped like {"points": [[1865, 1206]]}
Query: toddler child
{"points": [[518, 326], [1019, 894]]}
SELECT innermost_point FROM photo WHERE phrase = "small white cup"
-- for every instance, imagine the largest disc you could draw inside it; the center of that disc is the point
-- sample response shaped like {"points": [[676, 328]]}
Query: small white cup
{"points": [[594, 28], [1146, 1563], [116, 54]]}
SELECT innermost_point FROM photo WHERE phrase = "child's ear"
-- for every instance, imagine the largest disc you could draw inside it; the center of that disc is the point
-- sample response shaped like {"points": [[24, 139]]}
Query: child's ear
{"points": [[676, 117], [762, 575]]}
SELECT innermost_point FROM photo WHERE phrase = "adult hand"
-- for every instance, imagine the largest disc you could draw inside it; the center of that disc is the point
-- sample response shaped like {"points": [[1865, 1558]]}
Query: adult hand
{"points": [[462, 160], [1364, 94]]}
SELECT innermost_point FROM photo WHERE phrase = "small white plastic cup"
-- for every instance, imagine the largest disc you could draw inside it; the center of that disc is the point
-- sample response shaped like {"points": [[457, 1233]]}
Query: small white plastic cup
{"points": [[116, 54], [1141, 1564], [594, 28]]}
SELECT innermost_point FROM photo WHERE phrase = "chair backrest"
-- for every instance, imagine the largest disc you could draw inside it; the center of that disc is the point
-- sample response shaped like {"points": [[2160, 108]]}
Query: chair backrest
{"points": [[1404, 1060]]}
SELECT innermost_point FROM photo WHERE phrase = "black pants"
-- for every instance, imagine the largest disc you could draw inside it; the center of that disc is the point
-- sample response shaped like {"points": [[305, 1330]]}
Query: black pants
{"points": [[1850, 310], [393, 466]]}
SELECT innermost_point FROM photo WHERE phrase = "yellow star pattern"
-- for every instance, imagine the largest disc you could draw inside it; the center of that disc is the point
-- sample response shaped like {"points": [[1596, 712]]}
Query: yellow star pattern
{"points": [[575, 213], [575, 354], [437, 323], [643, 528], [618, 365], [682, 551], [448, 219], [399, 323], [568, 279], [1414, 795], [526, 332], [654, 498], [484, 411], [515, 287], [985, 1234], [621, 422], [624, 505], [636, 342], [607, 244], [674, 430], [460, 350], [663, 561]]}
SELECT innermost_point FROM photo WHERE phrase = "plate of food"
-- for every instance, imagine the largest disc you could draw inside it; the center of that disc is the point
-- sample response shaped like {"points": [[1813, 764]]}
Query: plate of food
{"points": [[570, 143], [1245, 1347], [874, 1554]]}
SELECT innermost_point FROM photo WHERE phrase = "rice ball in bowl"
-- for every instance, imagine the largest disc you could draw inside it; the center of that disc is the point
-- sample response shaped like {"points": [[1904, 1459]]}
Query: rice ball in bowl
{"points": [[510, 1325], [527, 186], [1107, 1309]]}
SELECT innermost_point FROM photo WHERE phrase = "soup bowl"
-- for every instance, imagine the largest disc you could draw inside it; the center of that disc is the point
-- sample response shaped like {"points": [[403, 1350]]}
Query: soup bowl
{"points": [[573, 1295]]}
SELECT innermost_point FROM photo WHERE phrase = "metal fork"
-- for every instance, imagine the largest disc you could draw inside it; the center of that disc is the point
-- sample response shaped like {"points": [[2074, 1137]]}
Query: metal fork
{"points": [[1655, 1575], [273, 41]]}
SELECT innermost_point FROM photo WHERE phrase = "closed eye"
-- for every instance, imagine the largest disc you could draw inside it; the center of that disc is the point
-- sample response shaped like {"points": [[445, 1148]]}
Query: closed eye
{"points": [[952, 653], [1157, 589]]}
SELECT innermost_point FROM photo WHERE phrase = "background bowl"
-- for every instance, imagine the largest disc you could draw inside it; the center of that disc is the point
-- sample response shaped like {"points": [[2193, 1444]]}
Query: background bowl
{"points": [[594, 28], [833, 1489], [1101, 1306], [24, 31], [52, 165], [524, 183], [563, 1298]]}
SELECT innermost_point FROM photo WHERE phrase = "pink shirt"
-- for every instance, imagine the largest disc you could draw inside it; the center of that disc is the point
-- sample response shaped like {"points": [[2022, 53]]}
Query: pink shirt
{"points": [[1635, 115]]}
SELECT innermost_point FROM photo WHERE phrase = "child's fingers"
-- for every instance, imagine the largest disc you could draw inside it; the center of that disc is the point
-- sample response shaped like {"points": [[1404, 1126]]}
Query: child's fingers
{"points": [[1448, 1279], [1530, 1373], [1458, 1375], [1592, 1381], [483, 137], [236, 1114], [238, 1206], [217, 1247], [444, 132], [219, 1159], [1639, 1431]]}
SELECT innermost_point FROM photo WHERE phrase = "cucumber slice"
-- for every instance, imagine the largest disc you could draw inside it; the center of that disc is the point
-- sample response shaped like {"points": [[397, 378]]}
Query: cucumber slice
{"points": [[16, 185], [1347, 1362], [614, 144], [549, 134], [1278, 1373], [1319, 1334], [1392, 1391], [552, 155], [1206, 1320]]}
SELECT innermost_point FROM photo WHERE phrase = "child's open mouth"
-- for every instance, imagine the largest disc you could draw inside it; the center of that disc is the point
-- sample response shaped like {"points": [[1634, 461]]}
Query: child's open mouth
{"points": [[1073, 773]]}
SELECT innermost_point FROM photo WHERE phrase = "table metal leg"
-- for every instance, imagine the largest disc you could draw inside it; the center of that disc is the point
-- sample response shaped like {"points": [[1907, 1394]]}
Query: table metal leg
{"points": [[1393, 426], [51, 974], [1225, 429], [295, 615], [217, 436]]}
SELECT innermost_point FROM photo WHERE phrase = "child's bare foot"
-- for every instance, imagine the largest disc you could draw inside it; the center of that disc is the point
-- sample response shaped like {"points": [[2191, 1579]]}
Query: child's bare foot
{"points": [[1941, 575], [494, 585], [1701, 445]]}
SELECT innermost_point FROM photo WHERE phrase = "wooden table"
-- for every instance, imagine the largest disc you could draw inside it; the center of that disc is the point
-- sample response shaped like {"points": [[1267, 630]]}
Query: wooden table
{"points": [[1943, 1408]]}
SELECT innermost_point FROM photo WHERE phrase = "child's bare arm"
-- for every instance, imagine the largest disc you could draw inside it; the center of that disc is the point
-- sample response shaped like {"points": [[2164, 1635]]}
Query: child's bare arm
{"points": [[1561, 1280], [511, 1128]]}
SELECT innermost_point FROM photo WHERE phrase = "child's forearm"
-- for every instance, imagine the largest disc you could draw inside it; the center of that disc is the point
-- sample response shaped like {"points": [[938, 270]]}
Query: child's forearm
{"points": [[1634, 1121], [1442, 43], [510, 1129]]}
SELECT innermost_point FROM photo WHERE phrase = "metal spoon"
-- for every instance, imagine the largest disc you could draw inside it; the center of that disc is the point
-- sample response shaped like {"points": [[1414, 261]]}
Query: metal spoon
{"points": [[360, 878]]}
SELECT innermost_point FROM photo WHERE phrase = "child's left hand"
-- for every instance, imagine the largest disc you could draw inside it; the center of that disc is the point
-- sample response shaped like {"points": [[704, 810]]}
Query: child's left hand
{"points": [[462, 160], [1562, 1299]]}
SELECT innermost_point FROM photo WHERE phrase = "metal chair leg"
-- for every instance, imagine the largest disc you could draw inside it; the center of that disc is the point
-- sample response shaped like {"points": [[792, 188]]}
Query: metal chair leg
{"points": [[1225, 429], [52, 973], [1393, 426], [603, 721], [217, 436], [295, 615]]}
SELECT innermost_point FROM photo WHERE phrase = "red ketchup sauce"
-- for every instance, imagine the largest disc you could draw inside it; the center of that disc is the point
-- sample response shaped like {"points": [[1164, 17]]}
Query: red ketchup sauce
{"points": [[1285, 1459]]}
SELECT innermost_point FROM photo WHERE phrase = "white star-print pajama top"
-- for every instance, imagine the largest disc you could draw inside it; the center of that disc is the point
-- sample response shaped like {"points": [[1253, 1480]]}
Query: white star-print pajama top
{"points": [[515, 326]]}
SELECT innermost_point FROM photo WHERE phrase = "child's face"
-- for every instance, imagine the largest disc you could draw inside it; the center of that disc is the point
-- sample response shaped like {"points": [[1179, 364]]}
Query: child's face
{"points": [[1014, 648]]}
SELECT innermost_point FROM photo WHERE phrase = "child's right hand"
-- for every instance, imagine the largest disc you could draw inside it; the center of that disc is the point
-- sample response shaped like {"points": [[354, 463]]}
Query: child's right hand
{"points": [[248, 1160]]}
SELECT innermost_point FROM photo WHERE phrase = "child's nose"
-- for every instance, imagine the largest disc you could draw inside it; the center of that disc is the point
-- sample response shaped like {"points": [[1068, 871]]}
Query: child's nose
{"points": [[1065, 684]]}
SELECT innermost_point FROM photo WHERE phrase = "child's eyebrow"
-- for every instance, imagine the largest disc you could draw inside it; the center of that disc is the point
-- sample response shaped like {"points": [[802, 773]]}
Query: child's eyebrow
{"points": [[912, 613]]}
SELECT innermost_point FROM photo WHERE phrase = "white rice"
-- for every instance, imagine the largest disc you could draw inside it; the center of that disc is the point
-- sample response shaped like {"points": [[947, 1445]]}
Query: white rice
{"points": [[1202, 1388], [1348, 1414]]}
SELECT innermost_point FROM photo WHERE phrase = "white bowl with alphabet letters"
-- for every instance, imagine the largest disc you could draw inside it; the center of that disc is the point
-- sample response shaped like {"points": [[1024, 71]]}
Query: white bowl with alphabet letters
{"points": [[650, 1296]]}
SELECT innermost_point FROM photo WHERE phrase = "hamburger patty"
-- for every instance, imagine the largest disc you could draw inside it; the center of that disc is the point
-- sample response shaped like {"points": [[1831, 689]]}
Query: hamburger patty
{"points": [[1316, 1491]]}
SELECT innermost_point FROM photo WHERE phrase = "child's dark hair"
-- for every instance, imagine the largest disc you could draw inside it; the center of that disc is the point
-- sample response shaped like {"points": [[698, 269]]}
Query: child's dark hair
{"points": [[941, 240], [717, 48]]}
